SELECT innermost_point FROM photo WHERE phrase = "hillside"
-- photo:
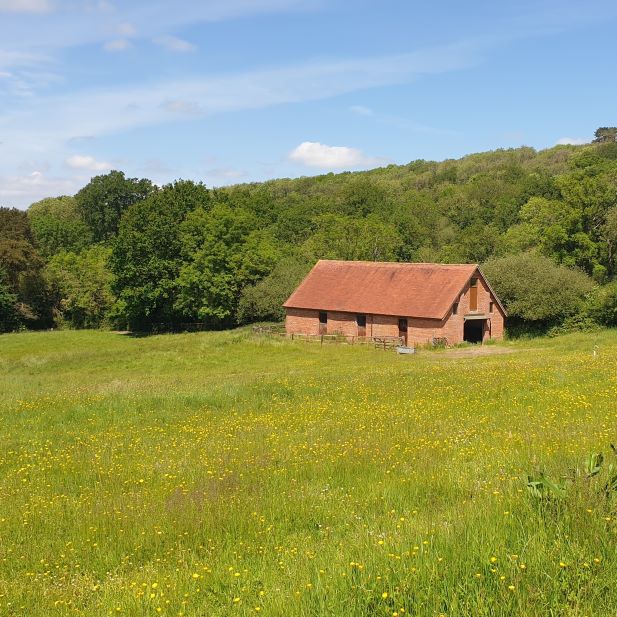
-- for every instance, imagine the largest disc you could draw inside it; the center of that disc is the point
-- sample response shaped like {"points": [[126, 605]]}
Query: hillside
{"points": [[216, 474], [123, 252]]}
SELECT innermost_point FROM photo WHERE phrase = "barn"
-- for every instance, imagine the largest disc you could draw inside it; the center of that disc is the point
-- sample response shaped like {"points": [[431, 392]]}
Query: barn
{"points": [[420, 302]]}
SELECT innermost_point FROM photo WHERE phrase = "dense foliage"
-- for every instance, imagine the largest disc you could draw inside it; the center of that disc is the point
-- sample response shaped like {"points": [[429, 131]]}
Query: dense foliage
{"points": [[124, 252]]}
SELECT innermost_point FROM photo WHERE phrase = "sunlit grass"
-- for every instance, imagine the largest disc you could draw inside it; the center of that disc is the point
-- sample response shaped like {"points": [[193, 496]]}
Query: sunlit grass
{"points": [[216, 474]]}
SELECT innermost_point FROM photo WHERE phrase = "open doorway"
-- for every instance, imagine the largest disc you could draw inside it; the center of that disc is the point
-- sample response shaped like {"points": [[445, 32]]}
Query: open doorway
{"points": [[473, 330]]}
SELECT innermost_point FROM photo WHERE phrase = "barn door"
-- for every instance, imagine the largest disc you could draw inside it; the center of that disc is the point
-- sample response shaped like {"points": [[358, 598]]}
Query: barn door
{"points": [[361, 322], [323, 322], [402, 328], [473, 295]]}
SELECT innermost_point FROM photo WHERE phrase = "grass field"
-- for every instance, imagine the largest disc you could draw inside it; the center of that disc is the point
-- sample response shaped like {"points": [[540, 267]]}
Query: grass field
{"points": [[216, 474]]}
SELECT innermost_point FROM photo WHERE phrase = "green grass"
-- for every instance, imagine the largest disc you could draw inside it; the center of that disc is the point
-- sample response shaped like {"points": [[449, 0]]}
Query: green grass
{"points": [[217, 474]]}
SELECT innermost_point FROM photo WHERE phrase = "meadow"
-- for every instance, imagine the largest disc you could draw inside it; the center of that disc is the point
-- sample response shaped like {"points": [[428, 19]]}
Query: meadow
{"points": [[221, 474]]}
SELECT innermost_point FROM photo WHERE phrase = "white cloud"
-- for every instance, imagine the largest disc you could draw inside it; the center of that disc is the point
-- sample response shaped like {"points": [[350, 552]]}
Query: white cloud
{"points": [[314, 154], [117, 45], [173, 43], [25, 6], [32, 186], [360, 110], [89, 163], [126, 29], [40, 126], [571, 141]]}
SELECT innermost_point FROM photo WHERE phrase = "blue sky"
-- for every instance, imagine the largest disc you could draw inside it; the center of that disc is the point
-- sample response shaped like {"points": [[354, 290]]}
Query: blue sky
{"points": [[228, 91]]}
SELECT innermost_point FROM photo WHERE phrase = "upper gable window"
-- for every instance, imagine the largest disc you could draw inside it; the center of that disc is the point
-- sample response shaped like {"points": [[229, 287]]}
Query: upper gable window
{"points": [[473, 282], [455, 308]]}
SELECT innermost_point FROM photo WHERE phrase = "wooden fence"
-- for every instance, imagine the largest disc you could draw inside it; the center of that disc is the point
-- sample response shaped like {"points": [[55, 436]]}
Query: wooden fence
{"points": [[379, 342]]}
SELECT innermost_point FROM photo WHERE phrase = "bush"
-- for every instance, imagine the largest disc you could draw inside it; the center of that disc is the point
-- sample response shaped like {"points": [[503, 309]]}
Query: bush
{"points": [[603, 305], [536, 291], [264, 301]]}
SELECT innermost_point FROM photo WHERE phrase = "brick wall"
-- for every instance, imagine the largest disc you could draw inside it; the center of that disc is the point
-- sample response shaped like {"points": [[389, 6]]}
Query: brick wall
{"points": [[301, 321], [420, 331]]}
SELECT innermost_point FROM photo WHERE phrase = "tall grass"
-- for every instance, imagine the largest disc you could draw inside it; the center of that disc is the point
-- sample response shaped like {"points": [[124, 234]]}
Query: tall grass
{"points": [[215, 474]]}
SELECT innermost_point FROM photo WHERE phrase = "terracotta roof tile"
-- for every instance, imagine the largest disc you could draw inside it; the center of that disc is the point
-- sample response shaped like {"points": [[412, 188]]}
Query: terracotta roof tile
{"points": [[378, 288]]}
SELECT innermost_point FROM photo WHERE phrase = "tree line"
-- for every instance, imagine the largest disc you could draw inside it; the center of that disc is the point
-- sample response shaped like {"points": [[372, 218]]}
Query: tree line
{"points": [[124, 253]]}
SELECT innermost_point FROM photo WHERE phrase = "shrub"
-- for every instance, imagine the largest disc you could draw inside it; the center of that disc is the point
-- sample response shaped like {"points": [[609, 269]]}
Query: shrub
{"points": [[603, 305], [536, 291]]}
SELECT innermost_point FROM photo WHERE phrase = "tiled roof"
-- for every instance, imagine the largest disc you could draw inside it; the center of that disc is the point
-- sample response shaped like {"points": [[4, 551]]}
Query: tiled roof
{"points": [[378, 288]]}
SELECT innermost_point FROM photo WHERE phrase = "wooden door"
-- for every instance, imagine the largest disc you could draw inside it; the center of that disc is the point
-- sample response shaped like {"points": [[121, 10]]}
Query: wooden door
{"points": [[402, 328], [473, 295]]}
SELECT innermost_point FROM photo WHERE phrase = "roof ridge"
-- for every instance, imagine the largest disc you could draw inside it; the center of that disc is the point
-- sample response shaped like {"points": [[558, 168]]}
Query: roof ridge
{"points": [[396, 263]]}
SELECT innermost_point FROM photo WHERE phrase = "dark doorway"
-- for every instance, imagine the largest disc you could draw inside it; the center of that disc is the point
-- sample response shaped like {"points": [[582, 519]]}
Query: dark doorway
{"points": [[361, 322], [473, 330], [323, 322], [402, 328]]}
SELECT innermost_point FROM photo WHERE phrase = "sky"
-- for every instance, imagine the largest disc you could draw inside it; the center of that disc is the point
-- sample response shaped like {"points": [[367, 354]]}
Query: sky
{"points": [[229, 91]]}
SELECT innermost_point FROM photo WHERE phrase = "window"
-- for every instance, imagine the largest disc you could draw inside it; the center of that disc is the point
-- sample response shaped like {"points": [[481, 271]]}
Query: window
{"points": [[455, 308], [361, 321], [402, 324], [323, 317], [473, 283], [490, 307]]}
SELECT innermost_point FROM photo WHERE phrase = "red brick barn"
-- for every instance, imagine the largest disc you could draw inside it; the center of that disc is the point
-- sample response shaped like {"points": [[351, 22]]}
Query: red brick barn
{"points": [[417, 301]]}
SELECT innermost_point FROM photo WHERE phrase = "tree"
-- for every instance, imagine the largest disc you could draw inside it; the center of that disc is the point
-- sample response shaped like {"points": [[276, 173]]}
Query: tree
{"points": [[57, 226], [147, 255], [9, 317], [224, 253], [22, 266], [537, 291], [345, 237], [605, 134], [103, 200], [603, 305], [81, 285], [264, 300]]}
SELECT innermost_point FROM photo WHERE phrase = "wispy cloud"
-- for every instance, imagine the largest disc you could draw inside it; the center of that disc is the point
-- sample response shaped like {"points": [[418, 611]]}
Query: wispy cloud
{"points": [[30, 186], [186, 108], [89, 163], [321, 156], [360, 110], [117, 45], [571, 141], [173, 43], [44, 124], [225, 174], [126, 29], [25, 6]]}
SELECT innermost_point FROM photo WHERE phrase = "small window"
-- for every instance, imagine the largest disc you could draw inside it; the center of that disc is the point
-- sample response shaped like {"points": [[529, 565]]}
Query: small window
{"points": [[490, 307], [473, 283], [402, 324], [361, 321], [455, 308], [323, 317]]}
